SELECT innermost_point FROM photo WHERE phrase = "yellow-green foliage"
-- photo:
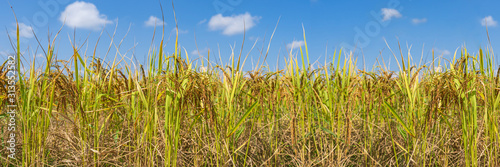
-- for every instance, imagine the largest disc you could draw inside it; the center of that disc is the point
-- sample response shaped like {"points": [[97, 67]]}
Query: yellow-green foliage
{"points": [[337, 115]]}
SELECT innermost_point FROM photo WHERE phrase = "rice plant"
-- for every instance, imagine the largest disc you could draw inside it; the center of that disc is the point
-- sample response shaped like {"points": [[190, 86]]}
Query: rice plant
{"points": [[88, 112]]}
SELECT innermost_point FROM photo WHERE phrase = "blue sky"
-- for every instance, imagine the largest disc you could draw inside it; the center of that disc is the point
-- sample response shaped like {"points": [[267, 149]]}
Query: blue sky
{"points": [[329, 25]]}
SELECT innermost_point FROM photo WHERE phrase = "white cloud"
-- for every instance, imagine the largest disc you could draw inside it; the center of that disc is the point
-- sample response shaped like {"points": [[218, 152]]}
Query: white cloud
{"points": [[83, 15], [202, 21], [231, 25], [442, 52], [154, 21], [488, 21], [446, 52], [390, 13], [438, 69], [295, 44], [181, 31], [203, 69], [25, 31], [419, 21], [202, 51]]}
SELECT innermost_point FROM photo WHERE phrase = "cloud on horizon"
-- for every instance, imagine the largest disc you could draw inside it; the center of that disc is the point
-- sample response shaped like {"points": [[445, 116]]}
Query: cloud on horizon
{"points": [[295, 44], [419, 21], [154, 21]]}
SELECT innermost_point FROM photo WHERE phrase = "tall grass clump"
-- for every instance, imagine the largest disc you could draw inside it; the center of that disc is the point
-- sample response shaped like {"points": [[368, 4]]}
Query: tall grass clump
{"points": [[178, 111]]}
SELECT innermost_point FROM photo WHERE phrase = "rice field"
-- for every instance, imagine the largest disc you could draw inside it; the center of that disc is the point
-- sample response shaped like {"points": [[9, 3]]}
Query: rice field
{"points": [[177, 110]]}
